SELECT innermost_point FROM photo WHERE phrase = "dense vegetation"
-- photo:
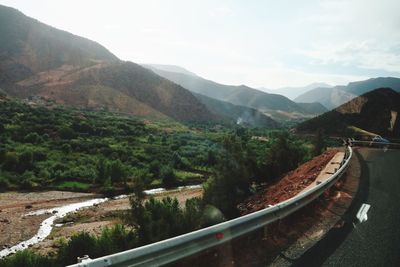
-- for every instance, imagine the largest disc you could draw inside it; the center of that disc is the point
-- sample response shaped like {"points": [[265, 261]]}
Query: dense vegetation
{"points": [[66, 148], [77, 149]]}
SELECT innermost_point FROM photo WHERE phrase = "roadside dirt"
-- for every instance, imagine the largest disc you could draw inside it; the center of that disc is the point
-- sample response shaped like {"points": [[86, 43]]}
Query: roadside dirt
{"points": [[289, 186]]}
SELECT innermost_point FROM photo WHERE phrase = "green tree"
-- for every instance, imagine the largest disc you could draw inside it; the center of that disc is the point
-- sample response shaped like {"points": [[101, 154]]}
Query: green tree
{"points": [[229, 185], [10, 161], [66, 133], [319, 143], [103, 170], [168, 176], [118, 172]]}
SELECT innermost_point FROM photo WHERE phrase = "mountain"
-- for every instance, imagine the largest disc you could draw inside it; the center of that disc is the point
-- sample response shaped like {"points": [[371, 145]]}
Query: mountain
{"points": [[237, 114], [242, 95], [293, 92], [376, 111], [313, 108], [334, 97], [328, 97], [39, 60], [170, 68]]}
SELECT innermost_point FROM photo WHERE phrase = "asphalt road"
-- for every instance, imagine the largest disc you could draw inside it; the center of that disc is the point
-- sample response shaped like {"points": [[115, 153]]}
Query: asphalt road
{"points": [[375, 242]]}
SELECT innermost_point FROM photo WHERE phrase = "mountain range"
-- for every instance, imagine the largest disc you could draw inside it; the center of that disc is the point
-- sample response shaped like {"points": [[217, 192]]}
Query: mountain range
{"points": [[277, 106], [332, 97], [376, 111], [293, 92]]}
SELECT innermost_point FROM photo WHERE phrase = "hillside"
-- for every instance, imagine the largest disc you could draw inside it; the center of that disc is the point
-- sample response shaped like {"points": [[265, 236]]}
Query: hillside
{"points": [[28, 46], [313, 108], [376, 111], [39, 60], [238, 95], [237, 114], [335, 96]]}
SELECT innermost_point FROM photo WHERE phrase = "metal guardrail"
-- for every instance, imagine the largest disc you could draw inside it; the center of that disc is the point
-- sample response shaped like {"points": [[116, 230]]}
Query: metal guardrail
{"points": [[179, 247], [374, 144]]}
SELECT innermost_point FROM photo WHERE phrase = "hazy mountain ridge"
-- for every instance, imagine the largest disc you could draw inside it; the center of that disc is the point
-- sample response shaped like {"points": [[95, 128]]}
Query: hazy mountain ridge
{"points": [[335, 96], [239, 95], [37, 59], [376, 111], [293, 92]]}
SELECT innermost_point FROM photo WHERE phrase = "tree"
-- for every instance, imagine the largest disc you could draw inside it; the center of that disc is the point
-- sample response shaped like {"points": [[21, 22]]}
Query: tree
{"points": [[319, 143], [229, 184], [25, 161], [168, 176], [66, 133], [32, 138], [154, 168], [157, 219], [10, 161], [117, 171], [103, 170]]}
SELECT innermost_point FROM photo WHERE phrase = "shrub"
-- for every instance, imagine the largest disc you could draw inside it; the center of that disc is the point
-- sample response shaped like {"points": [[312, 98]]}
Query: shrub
{"points": [[10, 161], [168, 176], [27, 258], [79, 245], [32, 138]]}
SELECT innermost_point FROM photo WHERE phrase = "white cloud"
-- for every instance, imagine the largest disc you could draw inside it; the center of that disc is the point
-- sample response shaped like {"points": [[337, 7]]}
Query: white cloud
{"points": [[221, 12]]}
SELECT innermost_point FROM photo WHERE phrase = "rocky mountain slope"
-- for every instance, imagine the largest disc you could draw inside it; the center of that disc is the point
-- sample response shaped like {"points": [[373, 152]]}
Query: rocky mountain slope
{"points": [[376, 111], [39, 60]]}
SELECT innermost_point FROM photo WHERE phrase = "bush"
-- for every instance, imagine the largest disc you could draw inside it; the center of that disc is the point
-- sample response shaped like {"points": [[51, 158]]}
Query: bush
{"points": [[168, 176], [66, 133], [32, 138], [27, 258], [10, 161], [4, 183], [79, 245]]}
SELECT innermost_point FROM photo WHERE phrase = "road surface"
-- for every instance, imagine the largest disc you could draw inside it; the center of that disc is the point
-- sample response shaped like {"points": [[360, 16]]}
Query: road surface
{"points": [[375, 242]]}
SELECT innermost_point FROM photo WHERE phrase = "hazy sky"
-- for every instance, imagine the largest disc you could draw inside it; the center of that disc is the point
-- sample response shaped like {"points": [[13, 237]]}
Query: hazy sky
{"points": [[257, 43]]}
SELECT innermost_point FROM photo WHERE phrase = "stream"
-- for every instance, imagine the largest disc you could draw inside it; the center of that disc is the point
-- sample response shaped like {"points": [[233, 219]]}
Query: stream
{"points": [[59, 212]]}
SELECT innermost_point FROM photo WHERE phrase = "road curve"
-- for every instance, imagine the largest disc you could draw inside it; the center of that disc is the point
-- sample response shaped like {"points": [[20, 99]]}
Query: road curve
{"points": [[375, 242]]}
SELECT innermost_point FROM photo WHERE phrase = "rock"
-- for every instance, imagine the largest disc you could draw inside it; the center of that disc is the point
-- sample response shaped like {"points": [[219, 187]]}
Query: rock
{"points": [[28, 206], [5, 221], [54, 211]]}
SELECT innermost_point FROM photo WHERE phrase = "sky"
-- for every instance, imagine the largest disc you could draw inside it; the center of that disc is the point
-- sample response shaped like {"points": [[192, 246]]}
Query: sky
{"points": [[268, 43]]}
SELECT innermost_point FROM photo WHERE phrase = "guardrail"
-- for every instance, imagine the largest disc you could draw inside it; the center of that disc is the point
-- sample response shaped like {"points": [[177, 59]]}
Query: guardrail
{"points": [[374, 144], [179, 247]]}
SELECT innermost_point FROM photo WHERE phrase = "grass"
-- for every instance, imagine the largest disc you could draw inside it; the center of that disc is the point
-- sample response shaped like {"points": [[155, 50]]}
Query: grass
{"points": [[185, 175], [72, 184]]}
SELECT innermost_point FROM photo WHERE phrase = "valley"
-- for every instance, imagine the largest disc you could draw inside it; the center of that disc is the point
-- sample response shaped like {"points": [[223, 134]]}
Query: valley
{"points": [[101, 154]]}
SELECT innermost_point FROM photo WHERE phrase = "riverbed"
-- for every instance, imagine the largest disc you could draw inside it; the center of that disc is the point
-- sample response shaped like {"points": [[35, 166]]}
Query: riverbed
{"points": [[27, 219]]}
